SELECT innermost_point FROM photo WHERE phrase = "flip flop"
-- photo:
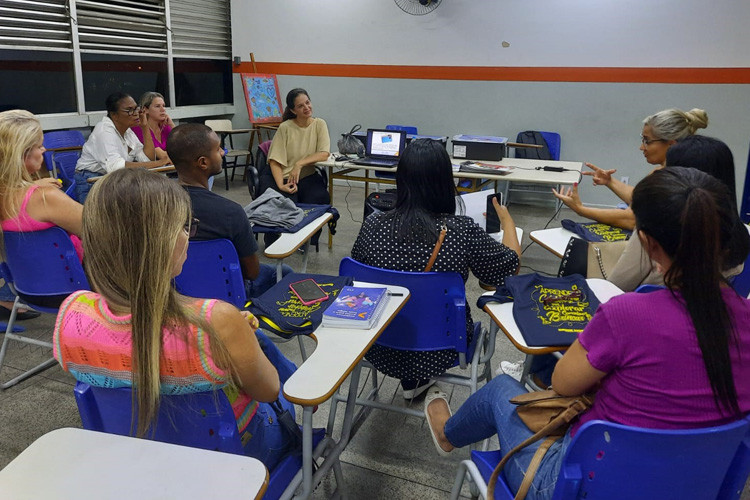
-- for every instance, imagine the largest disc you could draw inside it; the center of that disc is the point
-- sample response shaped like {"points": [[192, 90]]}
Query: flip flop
{"points": [[433, 394]]}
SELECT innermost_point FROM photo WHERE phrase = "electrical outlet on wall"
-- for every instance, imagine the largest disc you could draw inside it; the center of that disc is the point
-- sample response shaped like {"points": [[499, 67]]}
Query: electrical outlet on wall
{"points": [[625, 179]]}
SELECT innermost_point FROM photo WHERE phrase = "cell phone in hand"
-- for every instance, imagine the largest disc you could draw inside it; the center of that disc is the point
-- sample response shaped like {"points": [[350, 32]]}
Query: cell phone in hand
{"points": [[308, 292], [493, 222]]}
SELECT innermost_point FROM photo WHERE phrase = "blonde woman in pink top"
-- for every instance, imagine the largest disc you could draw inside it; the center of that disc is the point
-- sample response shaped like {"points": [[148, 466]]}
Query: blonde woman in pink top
{"points": [[159, 122], [25, 204]]}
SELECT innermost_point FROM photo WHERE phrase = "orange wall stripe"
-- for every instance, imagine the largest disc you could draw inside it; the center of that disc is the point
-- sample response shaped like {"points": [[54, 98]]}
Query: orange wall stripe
{"points": [[507, 74]]}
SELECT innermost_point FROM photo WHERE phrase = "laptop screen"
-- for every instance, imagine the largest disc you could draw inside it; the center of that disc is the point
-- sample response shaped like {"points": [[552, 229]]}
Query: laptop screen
{"points": [[385, 143]]}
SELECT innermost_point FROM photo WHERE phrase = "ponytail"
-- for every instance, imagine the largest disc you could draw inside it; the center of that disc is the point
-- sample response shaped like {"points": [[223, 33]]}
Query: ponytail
{"points": [[689, 214], [696, 271], [290, 97]]}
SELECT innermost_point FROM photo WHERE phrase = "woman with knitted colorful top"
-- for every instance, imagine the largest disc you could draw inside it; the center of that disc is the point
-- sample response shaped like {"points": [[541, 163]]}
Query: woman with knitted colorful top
{"points": [[25, 204], [135, 330]]}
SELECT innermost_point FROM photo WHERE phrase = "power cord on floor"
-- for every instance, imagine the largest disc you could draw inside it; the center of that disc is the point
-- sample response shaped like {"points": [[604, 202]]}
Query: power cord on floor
{"points": [[346, 201]]}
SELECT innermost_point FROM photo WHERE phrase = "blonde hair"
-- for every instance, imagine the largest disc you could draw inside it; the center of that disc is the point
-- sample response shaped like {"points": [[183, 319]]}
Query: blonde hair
{"points": [[674, 124], [131, 221], [148, 97], [19, 132]]}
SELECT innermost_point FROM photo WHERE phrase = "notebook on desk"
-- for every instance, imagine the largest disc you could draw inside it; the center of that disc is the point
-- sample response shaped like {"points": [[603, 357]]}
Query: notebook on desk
{"points": [[383, 148]]}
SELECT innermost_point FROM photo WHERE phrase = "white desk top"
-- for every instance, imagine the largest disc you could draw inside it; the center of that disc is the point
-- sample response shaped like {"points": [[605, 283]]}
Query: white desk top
{"points": [[555, 239], [502, 315], [524, 171], [338, 350], [288, 243], [76, 464], [518, 174]]}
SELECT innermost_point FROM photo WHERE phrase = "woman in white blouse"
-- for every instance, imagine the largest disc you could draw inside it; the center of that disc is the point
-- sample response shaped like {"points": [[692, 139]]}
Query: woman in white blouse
{"points": [[112, 145]]}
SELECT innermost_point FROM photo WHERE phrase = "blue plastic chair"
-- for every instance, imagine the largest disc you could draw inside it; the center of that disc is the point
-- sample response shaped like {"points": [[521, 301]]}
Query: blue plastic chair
{"points": [[42, 268], [741, 282], [433, 318], [212, 271], [613, 461], [61, 139], [409, 129], [202, 420]]}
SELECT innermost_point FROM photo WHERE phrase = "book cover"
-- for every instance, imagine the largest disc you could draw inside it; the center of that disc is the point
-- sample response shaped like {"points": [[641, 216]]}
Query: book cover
{"points": [[355, 305]]}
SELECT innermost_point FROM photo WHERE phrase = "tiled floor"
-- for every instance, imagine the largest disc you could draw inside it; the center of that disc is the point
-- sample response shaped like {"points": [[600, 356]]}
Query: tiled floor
{"points": [[391, 456]]}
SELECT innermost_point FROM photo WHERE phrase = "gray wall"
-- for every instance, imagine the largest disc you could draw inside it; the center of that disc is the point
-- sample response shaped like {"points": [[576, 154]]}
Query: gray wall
{"points": [[599, 122]]}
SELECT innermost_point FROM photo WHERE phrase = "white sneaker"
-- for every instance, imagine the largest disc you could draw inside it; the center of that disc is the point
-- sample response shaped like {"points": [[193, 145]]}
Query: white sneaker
{"points": [[515, 370]]}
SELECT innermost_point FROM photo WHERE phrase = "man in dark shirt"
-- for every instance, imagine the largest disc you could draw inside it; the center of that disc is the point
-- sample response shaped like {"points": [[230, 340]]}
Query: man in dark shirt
{"points": [[196, 152]]}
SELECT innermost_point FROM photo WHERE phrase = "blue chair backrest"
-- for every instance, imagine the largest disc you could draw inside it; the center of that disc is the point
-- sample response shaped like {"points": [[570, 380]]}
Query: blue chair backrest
{"points": [[212, 271], [61, 139], [201, 420], [65, 162], [43, 263], [404, 128], [613, 461], [433, 318], [741, 282], [553, 143]]}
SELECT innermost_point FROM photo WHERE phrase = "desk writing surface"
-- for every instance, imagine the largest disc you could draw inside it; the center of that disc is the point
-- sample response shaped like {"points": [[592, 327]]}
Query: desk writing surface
{"points": [[502, 315], [288, 243], [338, 350], [524, 171], [76, 464], [555, 239]]}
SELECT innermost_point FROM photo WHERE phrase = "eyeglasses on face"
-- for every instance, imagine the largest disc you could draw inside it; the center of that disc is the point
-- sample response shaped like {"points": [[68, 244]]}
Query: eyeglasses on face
{"points": [[191, 227], [131, 111], [645, 141]]}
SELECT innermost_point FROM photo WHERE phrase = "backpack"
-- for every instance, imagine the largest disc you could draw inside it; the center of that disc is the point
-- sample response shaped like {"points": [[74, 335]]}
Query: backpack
{"points": [[533, 137]]}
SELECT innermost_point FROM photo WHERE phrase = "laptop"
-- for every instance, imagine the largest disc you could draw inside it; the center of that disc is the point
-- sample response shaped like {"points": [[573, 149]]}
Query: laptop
{"points": [[383, 148]]}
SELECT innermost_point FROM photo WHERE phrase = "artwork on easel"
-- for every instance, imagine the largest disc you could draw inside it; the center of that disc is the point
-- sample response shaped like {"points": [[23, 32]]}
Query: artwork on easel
{"points": [[262, 98]]}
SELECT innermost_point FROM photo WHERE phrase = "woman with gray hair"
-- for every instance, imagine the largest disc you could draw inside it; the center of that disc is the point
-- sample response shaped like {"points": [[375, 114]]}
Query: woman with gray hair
{"points": [[660, 131], [159, 122]]}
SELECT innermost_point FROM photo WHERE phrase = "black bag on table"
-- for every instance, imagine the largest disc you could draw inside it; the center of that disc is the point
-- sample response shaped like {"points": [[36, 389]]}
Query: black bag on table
{"points": [[280, 311]]}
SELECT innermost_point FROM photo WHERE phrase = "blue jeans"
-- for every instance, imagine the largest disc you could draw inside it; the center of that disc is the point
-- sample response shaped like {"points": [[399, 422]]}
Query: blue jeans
{"points": [[488, 412], [283, 366], [269, 440], [82, 185], [5, 294], [265, 280]]}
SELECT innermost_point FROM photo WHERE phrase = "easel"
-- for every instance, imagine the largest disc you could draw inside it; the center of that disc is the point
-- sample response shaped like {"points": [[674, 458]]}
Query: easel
{"points": [[258, 128]]}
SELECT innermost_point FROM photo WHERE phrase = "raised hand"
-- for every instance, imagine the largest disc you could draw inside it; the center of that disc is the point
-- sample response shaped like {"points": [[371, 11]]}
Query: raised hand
{"points": [[569, 196], [600, 176]]}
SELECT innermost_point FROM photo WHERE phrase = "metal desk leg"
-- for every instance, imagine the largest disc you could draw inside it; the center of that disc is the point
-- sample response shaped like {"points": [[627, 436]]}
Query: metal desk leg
{"points": [[306, 249], [330, 195], [279, 269], [307, 450]]}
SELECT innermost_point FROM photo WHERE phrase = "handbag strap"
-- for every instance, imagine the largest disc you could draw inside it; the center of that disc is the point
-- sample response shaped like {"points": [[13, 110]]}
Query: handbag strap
{"points": [[565, 417], [435, 250], [354, 129], [536, 461]]}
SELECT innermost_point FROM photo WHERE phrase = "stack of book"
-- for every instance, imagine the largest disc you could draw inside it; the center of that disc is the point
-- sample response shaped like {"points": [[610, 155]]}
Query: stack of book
{"points": [[356, 307], [483, 168]]}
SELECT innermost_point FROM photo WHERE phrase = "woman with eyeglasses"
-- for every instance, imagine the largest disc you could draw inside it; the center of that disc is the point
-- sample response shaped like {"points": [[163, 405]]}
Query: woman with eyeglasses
{"points": [[113, 145], [135, 330], [159, 122], [660, 131]]}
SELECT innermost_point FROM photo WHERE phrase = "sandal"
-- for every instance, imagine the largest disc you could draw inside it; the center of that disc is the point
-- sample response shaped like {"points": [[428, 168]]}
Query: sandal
{"points": [[433, 394]]}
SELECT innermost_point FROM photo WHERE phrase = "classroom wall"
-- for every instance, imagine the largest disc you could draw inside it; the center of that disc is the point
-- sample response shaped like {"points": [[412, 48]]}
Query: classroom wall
{"points": [[599, 121]]}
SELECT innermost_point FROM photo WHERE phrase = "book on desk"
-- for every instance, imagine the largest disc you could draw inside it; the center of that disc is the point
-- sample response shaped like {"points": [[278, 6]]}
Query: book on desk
{"points": [[483, 168], [356, 307]]}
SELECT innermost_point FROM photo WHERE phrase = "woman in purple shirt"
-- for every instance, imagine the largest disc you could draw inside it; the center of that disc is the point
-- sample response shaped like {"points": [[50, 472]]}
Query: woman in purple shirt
{"points": [[668, 359], [158, 121]]}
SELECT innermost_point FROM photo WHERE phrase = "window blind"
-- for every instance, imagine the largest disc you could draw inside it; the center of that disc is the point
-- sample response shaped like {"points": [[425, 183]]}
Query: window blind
{"points": [[35, 24], [122, 27], [201, 29]]}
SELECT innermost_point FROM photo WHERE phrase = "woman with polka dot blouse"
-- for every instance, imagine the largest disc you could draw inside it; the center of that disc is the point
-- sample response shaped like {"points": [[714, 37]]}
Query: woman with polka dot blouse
{"points": [[403, 239]]}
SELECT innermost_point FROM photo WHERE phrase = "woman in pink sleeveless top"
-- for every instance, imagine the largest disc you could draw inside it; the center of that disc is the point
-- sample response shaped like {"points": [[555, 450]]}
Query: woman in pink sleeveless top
{"points": [[25, 204], [159, 122]]}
